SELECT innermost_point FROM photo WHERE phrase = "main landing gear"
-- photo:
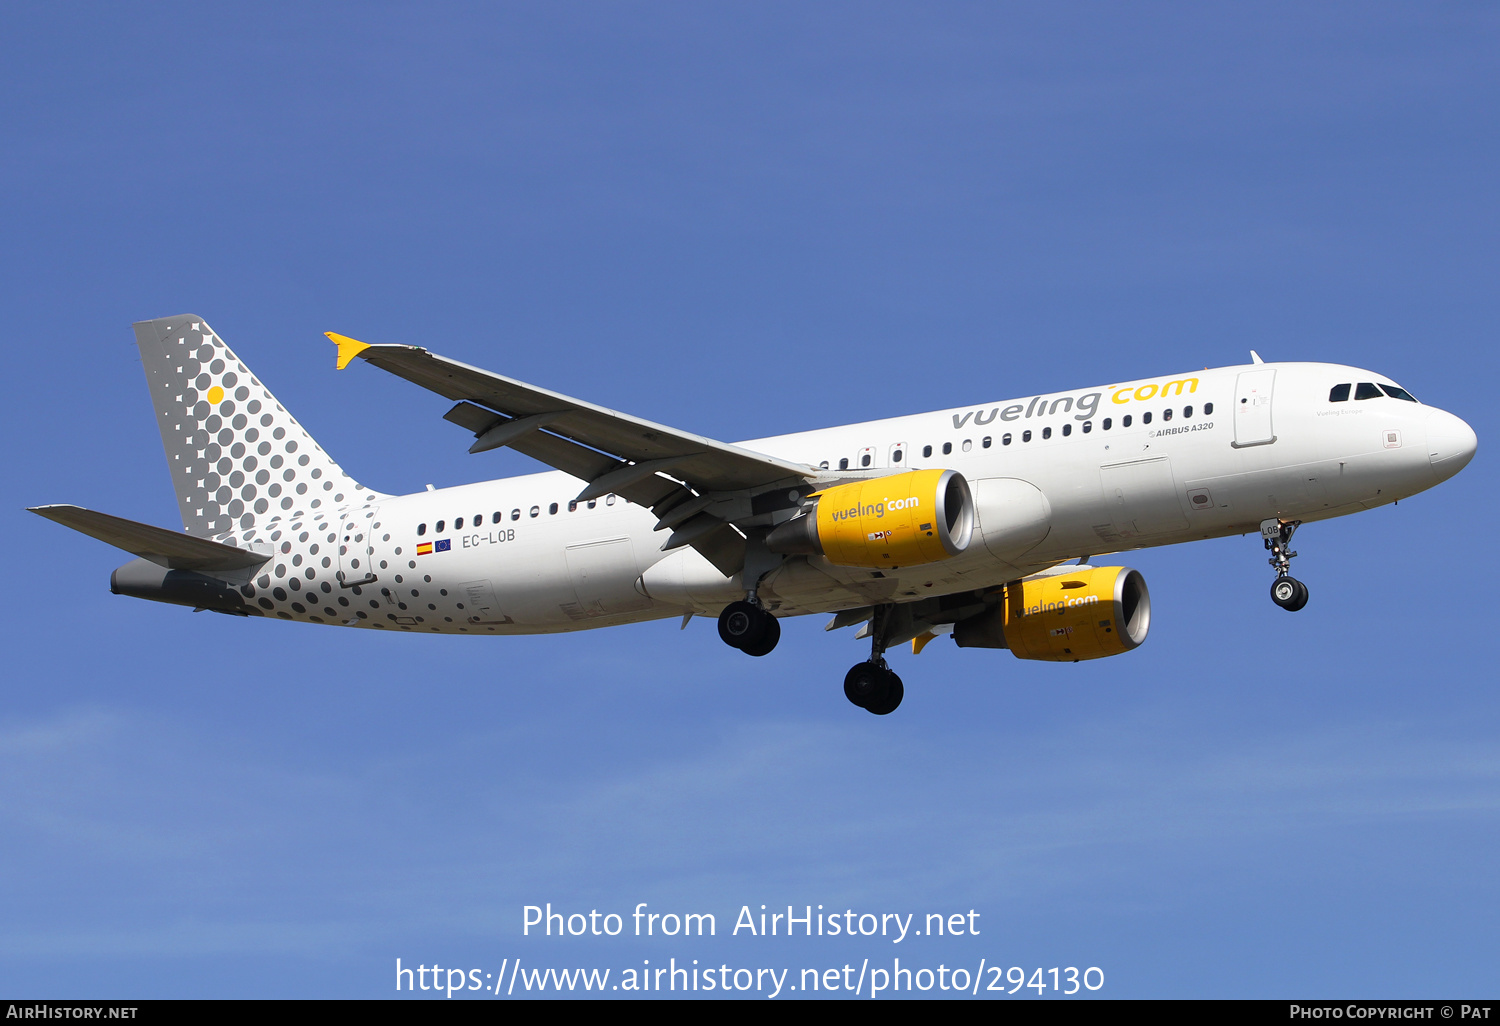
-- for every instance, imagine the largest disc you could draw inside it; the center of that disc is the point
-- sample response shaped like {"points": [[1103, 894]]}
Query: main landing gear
{"points": [[746, 626], [1286, 591], [872, 685]]}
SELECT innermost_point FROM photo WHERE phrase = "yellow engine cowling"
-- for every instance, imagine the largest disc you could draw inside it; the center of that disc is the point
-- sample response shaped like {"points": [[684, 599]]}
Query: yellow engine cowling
{"points": [[909, 519], [1087, 613]]}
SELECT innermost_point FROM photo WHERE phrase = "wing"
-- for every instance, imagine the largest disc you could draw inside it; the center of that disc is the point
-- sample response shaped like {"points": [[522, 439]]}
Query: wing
{"points": [[697, 486]]}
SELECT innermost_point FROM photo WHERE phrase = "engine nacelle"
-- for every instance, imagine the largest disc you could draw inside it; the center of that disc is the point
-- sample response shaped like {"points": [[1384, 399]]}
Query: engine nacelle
{"points": [[1083, 613], [908, 519]]}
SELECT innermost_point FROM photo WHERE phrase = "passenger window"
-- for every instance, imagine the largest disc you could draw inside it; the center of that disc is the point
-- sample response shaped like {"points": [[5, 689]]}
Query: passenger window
{"points": [[609, 500], [896, 455], [947, 448], [1067, 430], [1208, 409], [1339, 393], [458, 524], [535, 510], [986, 442], [844, 463], [823, 465], [552, 509], [1367, 390], [1088, 426], [1125, 420], [497, 517], [439, 528], [1108, 423], [1187, 411], [515, 514], [478, 520], [1046, 432], [1399, 393], [1146, 417], [1166, 414], [421, 530], [1026, 435], [968, 444], [573, 506], [864, 461], [926, 451], [593, 503], [1005, 438]]}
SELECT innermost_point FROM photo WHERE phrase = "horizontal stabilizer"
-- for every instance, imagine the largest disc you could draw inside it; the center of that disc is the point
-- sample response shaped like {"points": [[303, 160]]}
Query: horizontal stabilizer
{"points": [[171, 549]]}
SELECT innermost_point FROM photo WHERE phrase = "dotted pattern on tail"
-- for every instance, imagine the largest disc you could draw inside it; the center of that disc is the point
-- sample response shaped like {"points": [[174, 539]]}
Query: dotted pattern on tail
{"points": [[238, 459]]}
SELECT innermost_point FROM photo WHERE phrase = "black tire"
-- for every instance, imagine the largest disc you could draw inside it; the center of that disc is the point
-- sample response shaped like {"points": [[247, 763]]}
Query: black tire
{"points": [[864, 684], [768, 639], [1289, 593], [894, 691], [1300, 600], [742, 625]]}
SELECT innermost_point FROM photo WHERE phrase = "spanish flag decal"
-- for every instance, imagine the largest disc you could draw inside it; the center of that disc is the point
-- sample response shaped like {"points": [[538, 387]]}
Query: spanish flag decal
{"points": [[424, 548]]}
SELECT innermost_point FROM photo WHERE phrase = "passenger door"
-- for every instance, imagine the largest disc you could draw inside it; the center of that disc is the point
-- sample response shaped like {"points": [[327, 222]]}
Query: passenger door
{"points": [[1252, 408]]}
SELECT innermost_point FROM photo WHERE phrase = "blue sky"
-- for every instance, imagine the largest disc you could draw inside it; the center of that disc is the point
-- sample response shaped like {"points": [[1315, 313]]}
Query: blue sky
{"points": [[744, 220]]}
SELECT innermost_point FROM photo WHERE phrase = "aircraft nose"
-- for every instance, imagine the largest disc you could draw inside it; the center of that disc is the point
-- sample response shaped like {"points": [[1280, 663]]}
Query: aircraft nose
{"points": [[1450, 443]]}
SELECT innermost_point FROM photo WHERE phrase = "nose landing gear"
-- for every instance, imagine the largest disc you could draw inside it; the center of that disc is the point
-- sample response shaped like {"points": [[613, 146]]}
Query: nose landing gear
{"points": [[1286, 591]]}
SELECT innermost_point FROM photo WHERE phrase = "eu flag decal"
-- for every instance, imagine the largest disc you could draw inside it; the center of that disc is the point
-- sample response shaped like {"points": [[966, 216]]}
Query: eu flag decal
{"points": [[442, 545]]}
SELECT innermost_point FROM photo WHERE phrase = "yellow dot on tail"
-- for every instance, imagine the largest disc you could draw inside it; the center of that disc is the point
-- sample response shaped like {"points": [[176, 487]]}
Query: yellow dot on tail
{"points": [[215, 394]]}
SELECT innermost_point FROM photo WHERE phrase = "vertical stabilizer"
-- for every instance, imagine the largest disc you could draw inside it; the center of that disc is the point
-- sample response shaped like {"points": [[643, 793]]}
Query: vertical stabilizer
{"points": [[238, 459]]}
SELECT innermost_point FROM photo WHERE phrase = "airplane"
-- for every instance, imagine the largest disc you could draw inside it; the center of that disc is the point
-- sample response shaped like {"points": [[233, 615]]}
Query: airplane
{"points": [[978, 522]]}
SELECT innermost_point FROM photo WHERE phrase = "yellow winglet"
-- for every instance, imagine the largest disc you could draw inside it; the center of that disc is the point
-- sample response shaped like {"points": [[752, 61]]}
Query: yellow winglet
{"points": [[920, 641], [349, 348]]}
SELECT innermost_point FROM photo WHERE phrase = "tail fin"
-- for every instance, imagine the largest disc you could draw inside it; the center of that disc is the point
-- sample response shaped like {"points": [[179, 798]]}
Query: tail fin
{"points": [[238, 458]]}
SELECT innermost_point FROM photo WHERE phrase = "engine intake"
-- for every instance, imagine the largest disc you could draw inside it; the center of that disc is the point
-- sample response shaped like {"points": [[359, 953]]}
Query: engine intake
{"points": [[921, 516]]}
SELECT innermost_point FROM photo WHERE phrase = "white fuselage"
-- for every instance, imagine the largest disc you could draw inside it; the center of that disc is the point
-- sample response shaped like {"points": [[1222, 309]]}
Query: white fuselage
{"points": [[1144, 463]]}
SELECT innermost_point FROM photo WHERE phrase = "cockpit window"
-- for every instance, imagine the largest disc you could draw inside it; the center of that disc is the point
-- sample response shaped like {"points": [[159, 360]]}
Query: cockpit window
{"points": [[1399, 393], [1368, 390], [1339, 393]]}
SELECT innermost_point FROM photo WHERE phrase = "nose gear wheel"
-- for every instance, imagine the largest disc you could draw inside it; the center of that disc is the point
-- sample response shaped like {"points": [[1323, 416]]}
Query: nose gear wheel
{"points": [[1289, 593], [1286, 591]]}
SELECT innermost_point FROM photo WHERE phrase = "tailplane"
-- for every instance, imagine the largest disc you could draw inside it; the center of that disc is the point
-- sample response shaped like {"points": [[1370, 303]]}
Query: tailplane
{"points": [[238, 459], [170, 550]]}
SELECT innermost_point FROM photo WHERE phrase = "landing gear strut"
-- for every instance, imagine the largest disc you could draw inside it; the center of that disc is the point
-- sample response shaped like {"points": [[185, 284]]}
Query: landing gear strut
{"points": [[1286, 591], [749, 628], [872, 685]]}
